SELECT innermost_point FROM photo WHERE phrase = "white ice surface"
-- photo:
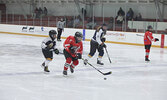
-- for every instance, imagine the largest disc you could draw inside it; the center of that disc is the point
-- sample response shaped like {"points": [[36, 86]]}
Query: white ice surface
{"points": [[22, 78]]}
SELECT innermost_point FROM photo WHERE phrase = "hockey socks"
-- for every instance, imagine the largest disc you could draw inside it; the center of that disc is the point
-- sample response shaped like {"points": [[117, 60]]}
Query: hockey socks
{"points": [[46, 63], [69, 65], [147, 55]]}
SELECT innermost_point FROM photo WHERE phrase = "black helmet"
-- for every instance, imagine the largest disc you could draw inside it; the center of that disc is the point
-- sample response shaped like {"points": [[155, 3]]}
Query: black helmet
{"points": [[149, 27], [78, 34], [104, 29], [52, 33]]}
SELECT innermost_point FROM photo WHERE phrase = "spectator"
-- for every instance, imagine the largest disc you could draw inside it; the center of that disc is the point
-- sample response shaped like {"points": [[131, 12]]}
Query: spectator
{"points": [[76, 21], [91, 24], [45, 11], [40, 12], [70, 23], [84, 12], [129, 15], [110, 25], [119, 19], [36, 12], [120, 12], [66, 21], [111, 19], [138, 17]]}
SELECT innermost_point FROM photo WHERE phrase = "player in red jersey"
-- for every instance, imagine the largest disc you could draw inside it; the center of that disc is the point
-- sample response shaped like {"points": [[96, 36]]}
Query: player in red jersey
{"points": [[73, 49], [148, 38]]}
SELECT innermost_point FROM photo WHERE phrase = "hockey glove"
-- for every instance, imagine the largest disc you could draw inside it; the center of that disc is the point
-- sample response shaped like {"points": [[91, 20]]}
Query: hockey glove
{"points": [[79, 56], [75, 58], [156, 39], [103, 39], [102, 45], [56, 51]]}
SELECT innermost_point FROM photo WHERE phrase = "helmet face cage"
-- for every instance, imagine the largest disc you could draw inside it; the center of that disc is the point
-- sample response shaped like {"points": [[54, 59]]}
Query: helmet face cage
{"points": [[52, 34], [104, 27], [149, 27], [78, 36]]}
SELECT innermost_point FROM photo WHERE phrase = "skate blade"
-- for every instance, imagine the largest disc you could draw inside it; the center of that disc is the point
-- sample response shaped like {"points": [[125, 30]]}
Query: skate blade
{"points": [[65, 75], [42, 66], [46, 72], [147, 61]]}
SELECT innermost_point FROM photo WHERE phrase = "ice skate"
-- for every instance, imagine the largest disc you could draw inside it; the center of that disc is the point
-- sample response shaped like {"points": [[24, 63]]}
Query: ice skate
{"points": [[58, 40], [46, 69], [146, 59], [64, 72], [71, 69], [99, 62]]}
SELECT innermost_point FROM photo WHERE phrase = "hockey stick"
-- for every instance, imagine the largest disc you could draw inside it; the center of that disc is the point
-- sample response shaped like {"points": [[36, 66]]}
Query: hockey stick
{"points": [[108, 73], [140, 35], [108, 55]]}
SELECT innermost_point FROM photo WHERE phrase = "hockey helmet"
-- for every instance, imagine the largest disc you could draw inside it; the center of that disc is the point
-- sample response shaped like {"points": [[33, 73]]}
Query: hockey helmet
{"points": [[52, 33], [78, 36], [149, 27], [104, 27]]}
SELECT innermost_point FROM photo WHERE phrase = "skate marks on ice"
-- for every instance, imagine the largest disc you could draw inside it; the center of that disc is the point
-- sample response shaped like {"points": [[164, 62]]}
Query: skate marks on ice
{"points": [[119, 59], [53, 74], [19, 50], [20, 74]]}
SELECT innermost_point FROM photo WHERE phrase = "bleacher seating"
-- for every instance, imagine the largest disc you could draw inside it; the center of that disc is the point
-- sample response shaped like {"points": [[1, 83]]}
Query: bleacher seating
{"points": [[52, 20]]}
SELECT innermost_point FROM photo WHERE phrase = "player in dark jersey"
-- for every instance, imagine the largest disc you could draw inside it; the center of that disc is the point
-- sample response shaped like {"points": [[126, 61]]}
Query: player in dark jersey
{"points": [[48, 47], [97, 43]]}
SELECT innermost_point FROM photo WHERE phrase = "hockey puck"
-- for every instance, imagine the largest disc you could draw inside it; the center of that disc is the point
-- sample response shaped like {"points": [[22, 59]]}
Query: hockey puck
{"points": [[105, 78]]}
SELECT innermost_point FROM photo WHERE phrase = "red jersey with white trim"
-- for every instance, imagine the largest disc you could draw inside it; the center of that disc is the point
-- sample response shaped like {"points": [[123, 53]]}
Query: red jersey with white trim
{"points": [[148, 38], [71, 42]]}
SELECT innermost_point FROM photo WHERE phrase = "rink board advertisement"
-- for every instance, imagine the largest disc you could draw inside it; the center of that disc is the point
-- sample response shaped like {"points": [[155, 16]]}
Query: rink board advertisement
{"points": [[130, 38]]}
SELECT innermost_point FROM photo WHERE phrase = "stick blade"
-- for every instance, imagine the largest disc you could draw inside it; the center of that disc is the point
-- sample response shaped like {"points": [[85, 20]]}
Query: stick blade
{"points": [[108, 73]]}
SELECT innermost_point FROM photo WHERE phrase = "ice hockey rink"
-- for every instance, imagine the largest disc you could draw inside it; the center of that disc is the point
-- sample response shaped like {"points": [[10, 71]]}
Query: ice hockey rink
{"points": [[22, 78]]}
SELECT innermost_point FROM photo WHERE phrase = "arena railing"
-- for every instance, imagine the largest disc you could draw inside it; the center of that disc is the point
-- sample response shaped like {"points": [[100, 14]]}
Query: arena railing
{"points": [[74, 22]]}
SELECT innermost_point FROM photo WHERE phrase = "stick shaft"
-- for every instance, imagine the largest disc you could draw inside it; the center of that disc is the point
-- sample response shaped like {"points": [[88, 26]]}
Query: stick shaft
{"points": [[93, 67], [108, 55], [98, 69]]}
